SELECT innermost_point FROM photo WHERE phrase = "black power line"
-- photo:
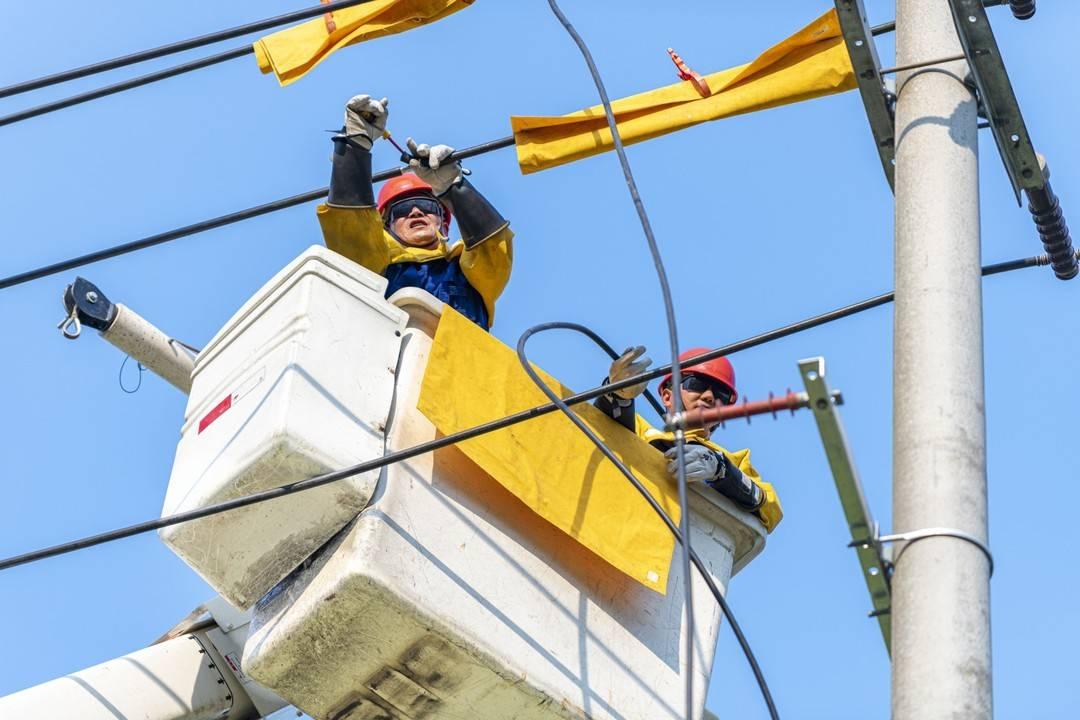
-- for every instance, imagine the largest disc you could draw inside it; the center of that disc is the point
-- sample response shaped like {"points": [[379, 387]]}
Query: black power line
{"points": [[124, 85], [177, 47], [220, 221], [224, 56], [438, 443]]}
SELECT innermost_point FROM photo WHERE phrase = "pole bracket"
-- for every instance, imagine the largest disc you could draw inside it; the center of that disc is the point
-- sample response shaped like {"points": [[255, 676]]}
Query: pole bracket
{"points": [[1026, 169], [860, 521], [879, 104]]}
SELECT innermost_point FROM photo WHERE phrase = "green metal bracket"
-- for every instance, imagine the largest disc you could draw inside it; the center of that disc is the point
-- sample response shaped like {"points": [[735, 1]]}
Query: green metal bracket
{"points": [[856, 511]]}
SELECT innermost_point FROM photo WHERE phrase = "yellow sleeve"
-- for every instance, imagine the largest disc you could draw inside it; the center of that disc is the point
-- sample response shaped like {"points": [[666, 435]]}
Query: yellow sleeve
{"points": [[356, 233], [770, 511], [487, 267]]}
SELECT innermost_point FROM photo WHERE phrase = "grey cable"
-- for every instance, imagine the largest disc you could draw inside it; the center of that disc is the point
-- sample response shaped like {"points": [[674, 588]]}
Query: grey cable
{"points": [[673, 336], [607, 452]]}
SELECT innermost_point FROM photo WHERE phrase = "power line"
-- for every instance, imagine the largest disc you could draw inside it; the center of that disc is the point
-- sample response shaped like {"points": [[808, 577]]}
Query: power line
{"points": [[220, 221], [438, 443], [125, 85], [177, 47], [206, 61]]}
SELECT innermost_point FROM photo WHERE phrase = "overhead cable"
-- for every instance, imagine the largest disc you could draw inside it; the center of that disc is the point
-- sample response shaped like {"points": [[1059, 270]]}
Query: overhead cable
{"points": [[614, 459], [125, 85], [673, 341], [467, 434], [222, 57], [181, 46], [221, 221]]}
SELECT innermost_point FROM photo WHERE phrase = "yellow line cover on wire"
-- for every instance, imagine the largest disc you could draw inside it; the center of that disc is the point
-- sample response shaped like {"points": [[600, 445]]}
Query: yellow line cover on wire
{"points": [[811, 63], [547, 463], [293, 52]]}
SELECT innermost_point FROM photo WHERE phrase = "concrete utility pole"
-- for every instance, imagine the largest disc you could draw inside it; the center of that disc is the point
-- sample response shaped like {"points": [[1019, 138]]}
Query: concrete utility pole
{"points": [[941, 591]]}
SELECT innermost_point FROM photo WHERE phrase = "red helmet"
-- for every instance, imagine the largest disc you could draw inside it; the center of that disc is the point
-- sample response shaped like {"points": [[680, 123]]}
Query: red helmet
{"points": [[404, 185], [718, 369]]}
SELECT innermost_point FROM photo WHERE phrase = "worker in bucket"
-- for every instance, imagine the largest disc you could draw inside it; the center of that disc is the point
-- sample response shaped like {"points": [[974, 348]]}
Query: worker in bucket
{"points": [[704, 386], [403, 236]]}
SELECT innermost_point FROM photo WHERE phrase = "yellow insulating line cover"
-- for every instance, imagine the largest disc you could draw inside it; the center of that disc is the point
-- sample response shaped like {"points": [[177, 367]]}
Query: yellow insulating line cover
{"points": [[293, 52], [546, 462], [811, 63]]}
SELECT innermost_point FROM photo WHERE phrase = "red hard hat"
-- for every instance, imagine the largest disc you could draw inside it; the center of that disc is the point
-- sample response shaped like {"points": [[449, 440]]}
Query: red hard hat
{"points": [[718, 369], [404, 185]]}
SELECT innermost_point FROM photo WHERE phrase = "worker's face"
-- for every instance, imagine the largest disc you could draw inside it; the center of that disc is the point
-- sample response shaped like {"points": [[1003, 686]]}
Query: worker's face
{"points": [[416, 221], [700, 395]]}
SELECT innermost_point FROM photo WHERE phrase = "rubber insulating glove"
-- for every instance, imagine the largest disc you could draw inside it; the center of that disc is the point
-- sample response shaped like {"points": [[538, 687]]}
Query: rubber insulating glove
{"points": [[431, 166], [701, 463], [629, 364], [365, 119]]}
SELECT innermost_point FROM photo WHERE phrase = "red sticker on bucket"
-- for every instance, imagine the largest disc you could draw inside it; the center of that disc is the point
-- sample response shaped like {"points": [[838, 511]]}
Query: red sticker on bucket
{"points": [[214, 414]]}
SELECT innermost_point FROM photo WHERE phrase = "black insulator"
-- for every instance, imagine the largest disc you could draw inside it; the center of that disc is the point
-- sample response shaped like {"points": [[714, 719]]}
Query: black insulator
{"points": [[1022, 9], [1054, 233]]}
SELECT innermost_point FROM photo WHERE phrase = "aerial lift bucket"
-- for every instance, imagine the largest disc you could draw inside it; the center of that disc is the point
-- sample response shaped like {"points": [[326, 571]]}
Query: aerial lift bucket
{"points": [[448, 597], [299, 382]]}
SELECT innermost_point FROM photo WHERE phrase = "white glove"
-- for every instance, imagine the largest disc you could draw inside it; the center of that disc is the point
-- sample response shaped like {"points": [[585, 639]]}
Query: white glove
{"points": [[628, 365], [437, 173], [365, 119], [702, 464]]}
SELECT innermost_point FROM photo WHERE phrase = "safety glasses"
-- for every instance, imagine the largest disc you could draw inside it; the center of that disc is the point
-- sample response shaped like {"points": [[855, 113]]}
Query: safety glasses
{"points": [[698, 384], [402, 208]]}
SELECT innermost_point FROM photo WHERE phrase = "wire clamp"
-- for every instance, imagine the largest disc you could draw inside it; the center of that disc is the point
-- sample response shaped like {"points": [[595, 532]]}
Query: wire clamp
{"points": [[677, 422], [685, 73], [914, 535]]}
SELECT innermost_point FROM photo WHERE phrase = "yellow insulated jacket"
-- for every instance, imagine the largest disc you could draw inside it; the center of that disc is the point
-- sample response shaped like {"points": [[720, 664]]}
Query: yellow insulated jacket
{"points": [[770, 511], [293, 52], [811, 63], [358, 234]]}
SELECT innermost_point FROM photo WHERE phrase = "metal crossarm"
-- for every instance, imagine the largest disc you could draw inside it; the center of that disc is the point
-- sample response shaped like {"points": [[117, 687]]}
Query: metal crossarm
{"points": [[996, 93], [864, 60], [856, 511], [1027, 171]]}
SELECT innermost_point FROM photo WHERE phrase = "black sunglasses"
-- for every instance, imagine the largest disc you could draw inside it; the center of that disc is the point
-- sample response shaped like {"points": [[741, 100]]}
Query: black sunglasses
{"points": [[402, 208], [698, 384]]}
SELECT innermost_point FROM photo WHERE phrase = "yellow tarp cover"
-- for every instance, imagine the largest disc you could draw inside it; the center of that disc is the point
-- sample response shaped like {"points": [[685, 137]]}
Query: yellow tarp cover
{"points": [[546, 462], [293, 52], [811, 63]]}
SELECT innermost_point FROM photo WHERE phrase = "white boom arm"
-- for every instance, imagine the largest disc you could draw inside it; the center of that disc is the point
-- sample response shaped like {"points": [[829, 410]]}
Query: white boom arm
{"points": [[193, 673]]}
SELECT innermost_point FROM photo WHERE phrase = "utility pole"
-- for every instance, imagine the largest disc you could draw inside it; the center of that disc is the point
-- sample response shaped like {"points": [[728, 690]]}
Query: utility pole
{"points": [[940, 589]]}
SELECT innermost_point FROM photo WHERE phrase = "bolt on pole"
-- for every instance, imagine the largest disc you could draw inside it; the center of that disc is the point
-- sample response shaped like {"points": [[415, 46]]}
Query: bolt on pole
{"points": [[941, 585]]}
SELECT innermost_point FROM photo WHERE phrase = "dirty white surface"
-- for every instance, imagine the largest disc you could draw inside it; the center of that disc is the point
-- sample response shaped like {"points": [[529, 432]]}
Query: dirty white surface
{"points": [[299, 382], [449, 598]]}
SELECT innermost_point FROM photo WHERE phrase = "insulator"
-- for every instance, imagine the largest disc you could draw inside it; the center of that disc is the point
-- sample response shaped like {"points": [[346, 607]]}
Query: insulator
{"points": [[1022, 9], [1054, 233]]}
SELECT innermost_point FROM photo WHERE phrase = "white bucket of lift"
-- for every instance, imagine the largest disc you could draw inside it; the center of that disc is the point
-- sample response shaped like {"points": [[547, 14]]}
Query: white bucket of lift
{"points": [[299, 382], [449, 598]]}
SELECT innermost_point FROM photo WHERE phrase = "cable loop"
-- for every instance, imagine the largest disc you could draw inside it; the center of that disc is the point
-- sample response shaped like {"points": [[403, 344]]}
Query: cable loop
{"points": [[72, 320]]}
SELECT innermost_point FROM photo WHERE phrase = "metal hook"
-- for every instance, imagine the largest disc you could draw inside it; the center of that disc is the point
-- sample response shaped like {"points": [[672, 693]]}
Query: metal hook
{"points": [[71, 320]]}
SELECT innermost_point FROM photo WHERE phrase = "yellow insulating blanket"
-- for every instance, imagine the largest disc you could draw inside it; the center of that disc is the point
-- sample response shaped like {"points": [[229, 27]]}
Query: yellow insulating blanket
{"points": [[811, 63], [546, 462], [293, 52]]}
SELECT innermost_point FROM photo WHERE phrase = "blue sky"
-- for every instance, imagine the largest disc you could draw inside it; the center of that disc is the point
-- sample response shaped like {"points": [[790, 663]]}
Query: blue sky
{"points": [[763, 220]]}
